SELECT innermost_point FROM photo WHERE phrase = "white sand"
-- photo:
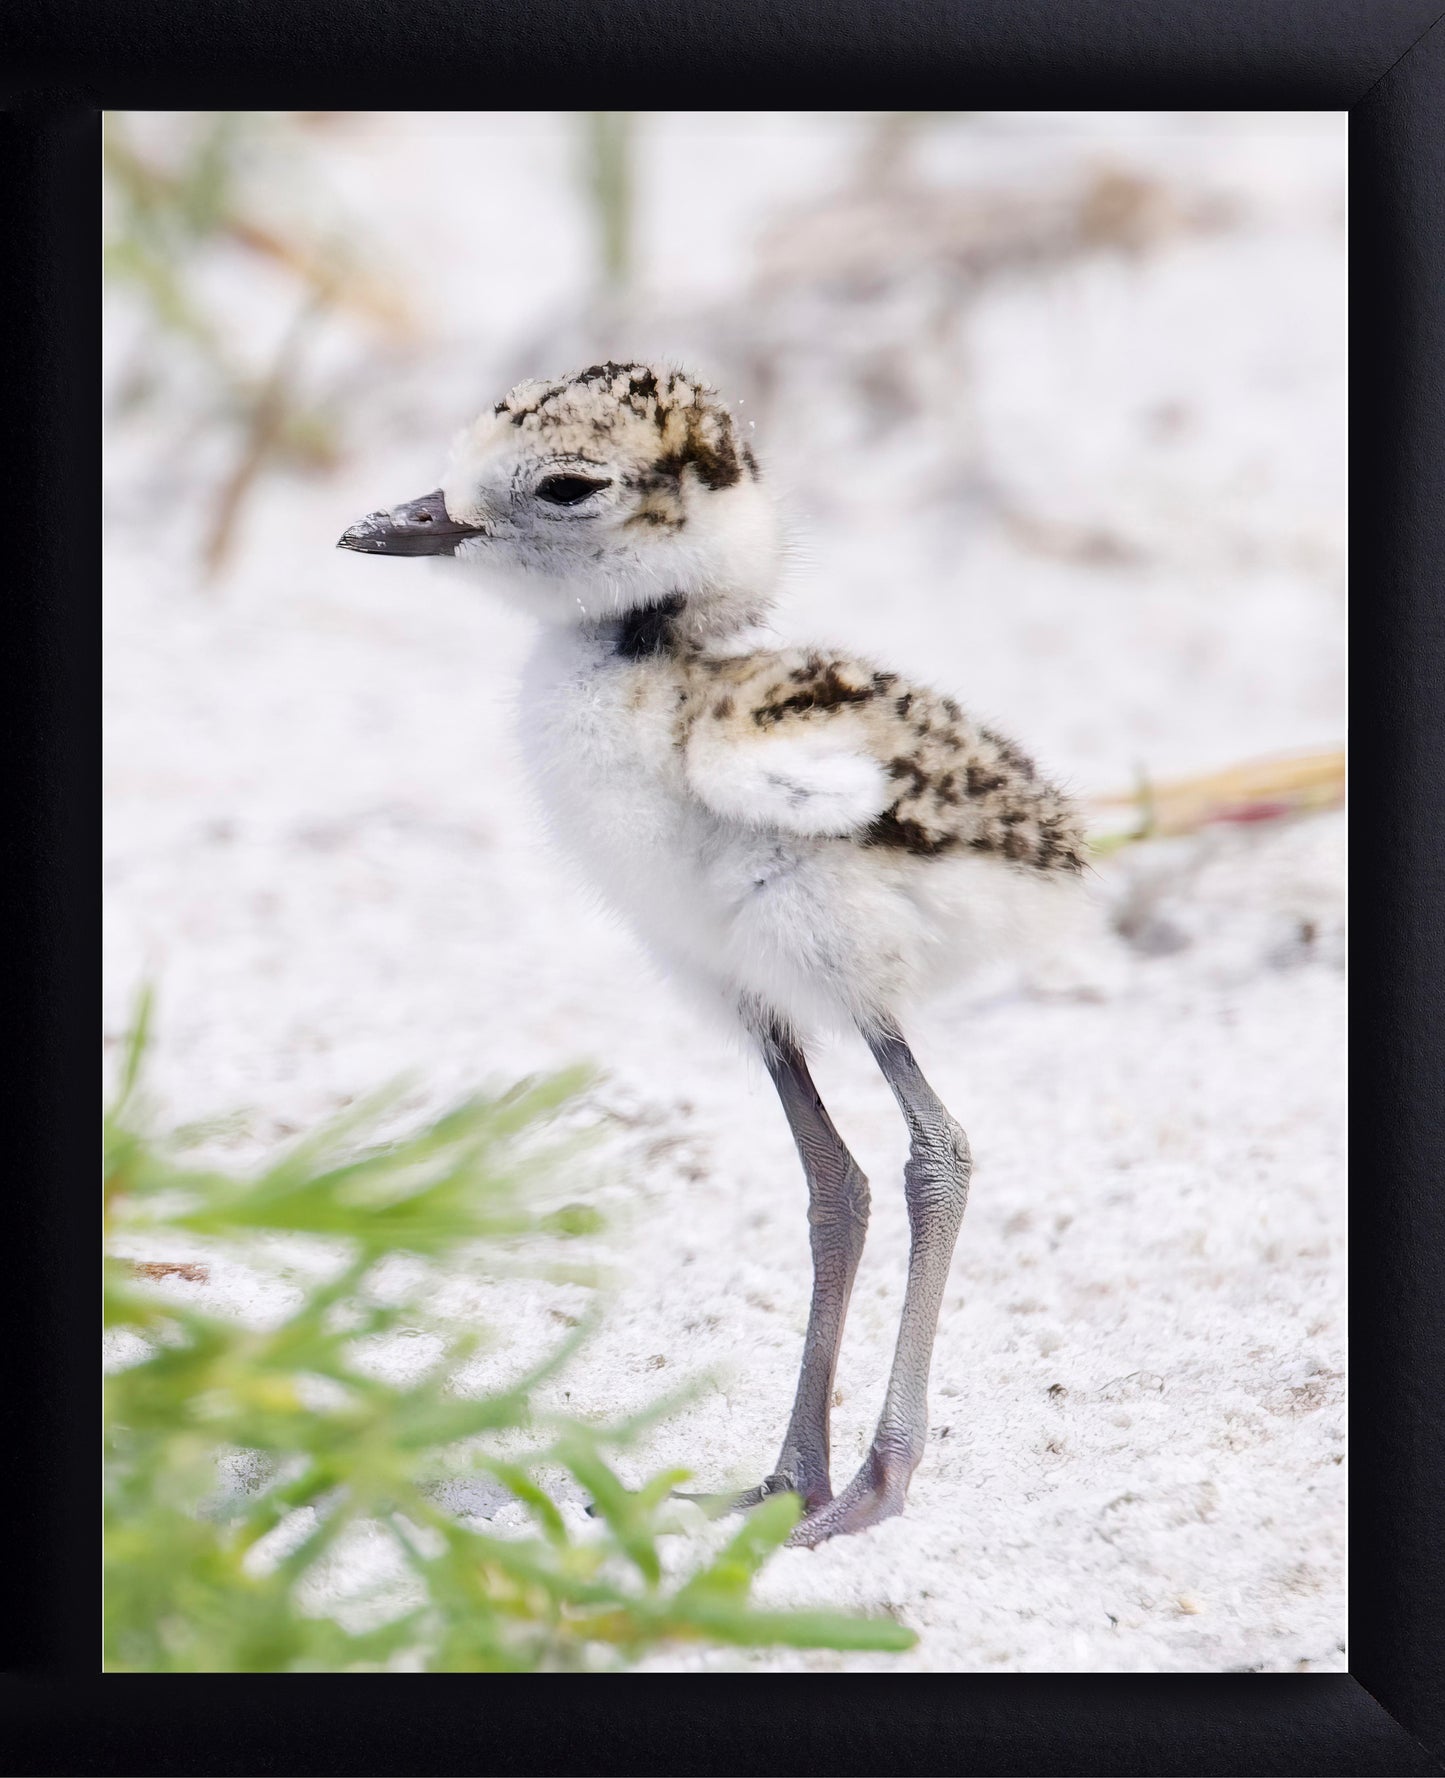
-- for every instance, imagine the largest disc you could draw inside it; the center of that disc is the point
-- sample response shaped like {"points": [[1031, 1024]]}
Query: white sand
{"points": [[318, 846]]}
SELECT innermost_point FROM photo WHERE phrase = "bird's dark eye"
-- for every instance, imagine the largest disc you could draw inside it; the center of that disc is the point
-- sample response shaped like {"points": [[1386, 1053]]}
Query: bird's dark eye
{"points": [[567, 490]]}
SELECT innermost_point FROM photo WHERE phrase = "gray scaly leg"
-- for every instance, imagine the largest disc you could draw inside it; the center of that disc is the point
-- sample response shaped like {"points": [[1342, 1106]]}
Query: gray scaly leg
{"points": [[837, 1222], [936, 1186]]}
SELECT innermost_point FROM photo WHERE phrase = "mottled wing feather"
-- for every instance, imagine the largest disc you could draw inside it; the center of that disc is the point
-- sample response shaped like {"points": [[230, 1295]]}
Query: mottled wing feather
{"points": [[823, 744]]}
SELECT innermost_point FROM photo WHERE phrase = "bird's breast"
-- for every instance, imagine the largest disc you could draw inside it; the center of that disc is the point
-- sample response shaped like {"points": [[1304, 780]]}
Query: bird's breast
{"points": [[600, 738]]}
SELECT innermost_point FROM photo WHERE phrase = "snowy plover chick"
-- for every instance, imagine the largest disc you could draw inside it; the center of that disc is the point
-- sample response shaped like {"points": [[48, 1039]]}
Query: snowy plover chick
{"points": [[809, 840]]}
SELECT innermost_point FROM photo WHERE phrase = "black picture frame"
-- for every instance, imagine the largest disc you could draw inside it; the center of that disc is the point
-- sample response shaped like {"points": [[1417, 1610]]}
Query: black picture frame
{"points": [[1381, 60]]}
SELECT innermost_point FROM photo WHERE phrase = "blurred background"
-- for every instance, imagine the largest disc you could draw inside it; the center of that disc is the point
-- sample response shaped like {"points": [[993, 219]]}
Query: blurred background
{"points": [[1056, 404]]}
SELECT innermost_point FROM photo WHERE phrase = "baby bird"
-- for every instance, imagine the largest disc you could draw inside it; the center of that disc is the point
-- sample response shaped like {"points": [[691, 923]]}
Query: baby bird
{"points": [[806, 839]]}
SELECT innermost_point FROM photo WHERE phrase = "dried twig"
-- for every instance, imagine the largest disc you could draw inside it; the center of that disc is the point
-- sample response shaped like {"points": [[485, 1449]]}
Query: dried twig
{"points": [[189, 1269], [1253, 790], [349, 288], [267, 416]]}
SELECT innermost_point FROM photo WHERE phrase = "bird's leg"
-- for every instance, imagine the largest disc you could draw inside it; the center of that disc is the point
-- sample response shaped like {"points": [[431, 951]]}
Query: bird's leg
{"points": [[936, 1186], [837, 1223]]}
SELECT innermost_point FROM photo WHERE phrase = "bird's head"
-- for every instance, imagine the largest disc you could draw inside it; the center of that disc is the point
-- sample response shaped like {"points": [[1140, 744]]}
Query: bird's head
{"points": [[608, 491]]}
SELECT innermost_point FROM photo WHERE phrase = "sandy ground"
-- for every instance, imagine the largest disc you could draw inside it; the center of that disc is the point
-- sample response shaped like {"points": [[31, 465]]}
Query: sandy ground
{"points": [[317, 844]]}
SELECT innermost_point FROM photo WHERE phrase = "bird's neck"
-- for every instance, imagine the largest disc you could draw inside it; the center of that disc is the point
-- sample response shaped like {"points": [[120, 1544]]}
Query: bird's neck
{"points": [[651, 629], [678, 622]]}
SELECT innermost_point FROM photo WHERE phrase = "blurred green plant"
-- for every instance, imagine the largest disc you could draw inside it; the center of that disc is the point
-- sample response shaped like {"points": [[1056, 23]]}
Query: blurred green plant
{"points": [[166, 220], [190, 1585], [608, 145]]}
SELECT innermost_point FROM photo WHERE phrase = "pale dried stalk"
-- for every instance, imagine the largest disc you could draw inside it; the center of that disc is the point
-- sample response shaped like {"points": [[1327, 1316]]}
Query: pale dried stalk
{"points": [[1253, 790]]}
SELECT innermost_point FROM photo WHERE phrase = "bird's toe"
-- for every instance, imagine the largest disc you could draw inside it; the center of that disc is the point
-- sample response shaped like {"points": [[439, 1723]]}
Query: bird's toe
{"points": [[877, 1492], [814, 1494]]}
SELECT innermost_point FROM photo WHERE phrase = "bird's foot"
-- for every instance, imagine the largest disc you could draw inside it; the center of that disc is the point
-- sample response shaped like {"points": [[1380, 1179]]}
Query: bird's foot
{"points": [[814, 1491], [876, 1493]]}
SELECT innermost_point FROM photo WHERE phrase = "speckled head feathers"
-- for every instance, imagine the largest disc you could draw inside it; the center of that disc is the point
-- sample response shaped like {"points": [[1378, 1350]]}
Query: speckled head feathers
{"points": [[671, 422], [628, 481]]}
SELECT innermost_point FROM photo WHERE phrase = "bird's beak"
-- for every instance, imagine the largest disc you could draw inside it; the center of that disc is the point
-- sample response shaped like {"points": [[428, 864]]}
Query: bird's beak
{"points": [[420, 528]]}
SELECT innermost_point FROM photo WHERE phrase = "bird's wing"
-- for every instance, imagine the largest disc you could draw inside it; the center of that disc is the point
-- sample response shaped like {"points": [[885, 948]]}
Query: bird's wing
{"points": [[780, 751], [807, 743], [812, 782]]}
